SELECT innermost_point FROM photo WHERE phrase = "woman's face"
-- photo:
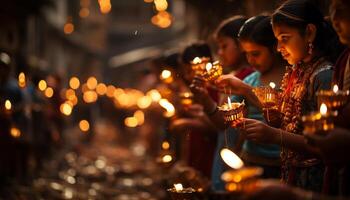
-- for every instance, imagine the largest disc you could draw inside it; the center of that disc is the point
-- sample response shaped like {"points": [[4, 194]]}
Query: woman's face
{"points": [[339, 12], [228, 51], [292, 45], [258, 56]]}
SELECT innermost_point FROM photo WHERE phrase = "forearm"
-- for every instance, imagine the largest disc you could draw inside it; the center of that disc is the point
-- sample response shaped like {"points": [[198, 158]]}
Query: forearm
{"points": [[250, 96]]}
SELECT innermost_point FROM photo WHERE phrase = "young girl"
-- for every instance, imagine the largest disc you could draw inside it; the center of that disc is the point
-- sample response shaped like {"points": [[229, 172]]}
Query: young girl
{"points": [[303, 37]]}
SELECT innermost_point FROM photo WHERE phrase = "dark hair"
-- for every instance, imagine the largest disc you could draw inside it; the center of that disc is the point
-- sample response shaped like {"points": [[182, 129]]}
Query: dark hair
{"points": [[298, 14], [230, 27], [198, 49], [258, 29]]}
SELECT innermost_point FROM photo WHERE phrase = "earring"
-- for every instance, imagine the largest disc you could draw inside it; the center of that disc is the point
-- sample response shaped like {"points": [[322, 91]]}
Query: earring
{"points": [[310, 48]]}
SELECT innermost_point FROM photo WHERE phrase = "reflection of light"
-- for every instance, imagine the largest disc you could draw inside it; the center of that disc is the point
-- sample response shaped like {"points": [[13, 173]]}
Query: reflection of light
{"points": [[140, 116], [178, 187], [165, 74], [74, 83], [84, 125], [196, 60], [131, 122], [48, 92], [90, 96], [167, 158], [323, 109], [101, 89], [208, 66], [110, 91], [91, 83], [165, 145], [335, 88], [161, 5], [15, 132], [170, 109], [42, 85], [144, 102], [22, 80], [231, 159], [84, 12], [8, 105], [272, 85], [66, 108], [154, 94], [68, 28]]}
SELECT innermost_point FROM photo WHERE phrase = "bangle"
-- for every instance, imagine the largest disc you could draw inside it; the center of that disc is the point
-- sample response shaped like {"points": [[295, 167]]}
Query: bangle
{"points": [[213, 112]]}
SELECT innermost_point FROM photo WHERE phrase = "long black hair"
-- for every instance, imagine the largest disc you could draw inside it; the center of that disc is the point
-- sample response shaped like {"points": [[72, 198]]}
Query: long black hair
{"points": [[298, 14], [230, 27]]}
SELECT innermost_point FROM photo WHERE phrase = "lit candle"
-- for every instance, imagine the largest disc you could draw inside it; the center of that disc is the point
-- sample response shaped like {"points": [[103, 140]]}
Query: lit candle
{"points": [[335, 99], [178, 187], [323, 109], [8, 105], [166, 76], [229, 103], [319, 122], [272, 85]]}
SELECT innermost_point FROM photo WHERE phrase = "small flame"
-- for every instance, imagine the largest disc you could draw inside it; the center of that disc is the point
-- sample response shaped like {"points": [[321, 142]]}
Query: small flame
{"points": [[196, 60], [178, 187], [229, 103], [167, 158], [231, 159], [208, 66], [323, 109], [165, 74], [170, 109], [272, 85], [335, 88], [165, 145], [8, 104]]}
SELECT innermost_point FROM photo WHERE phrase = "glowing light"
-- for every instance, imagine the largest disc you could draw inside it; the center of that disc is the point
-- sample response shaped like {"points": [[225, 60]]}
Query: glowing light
{"points": [[42, 85], [154, 94], [231, 159], [335, 88], [74, 83], [84, 12], [178, 187], [110, 91], [165, 145], [208, 66], [163, 19], [105, 6], [148, 1], [68, 28], [272, 85], [22, 80], [229, 103], [131, 122], [70, 94], [84, 125], [196, 60], [84, 88], [101, 89], [90, 96], [4, 57], [140, 116], [323, 109], [15, 132], [165, 74], [91, 83], [8, 105], [66, 108], [48, 92], [144, 102], [170, 109], [167, 158], [161, 5]]}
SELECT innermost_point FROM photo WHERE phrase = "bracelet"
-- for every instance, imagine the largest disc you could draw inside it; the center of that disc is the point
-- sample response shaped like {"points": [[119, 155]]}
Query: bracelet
{"points": [[213, 112]]}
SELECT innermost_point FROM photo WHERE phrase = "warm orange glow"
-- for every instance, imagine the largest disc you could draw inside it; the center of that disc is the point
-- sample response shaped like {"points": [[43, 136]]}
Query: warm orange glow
{"points": [[90, 96], [22, 80], [231, 159], [144, 102], [70, 94], [84, 88], [165, 145], [167, 158], [140, 116], [84, 12], [323, 109], [154, 94], [110, 91], [15, 132], [335, 88], [105, 6], [84, 125], [74, 83], [161, 5], [91, 83], [8, 105], [178, 187], [66, 108], [196, 60], [208, 66], [73, 100], [166, 76], [170, 109], [148, 1], [101, 89], [272, 85], [48, 92], [68, 28], [131, 122], [163, 19], [42, 85]]}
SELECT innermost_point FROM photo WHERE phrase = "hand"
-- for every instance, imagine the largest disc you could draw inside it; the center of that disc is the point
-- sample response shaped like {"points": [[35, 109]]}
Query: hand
{"points": [[201, 95], [333, 147], [259, 132], [230, 84], [273, 117]]}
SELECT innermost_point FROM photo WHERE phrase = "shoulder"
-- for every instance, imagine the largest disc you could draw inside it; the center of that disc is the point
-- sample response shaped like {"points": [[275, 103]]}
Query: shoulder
{"points": [[322, 76], [253, 78]]}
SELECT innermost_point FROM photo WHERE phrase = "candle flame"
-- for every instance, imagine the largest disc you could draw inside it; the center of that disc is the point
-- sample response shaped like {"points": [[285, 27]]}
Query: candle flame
{"points": [[165, 74], [178, 187], [165, 145], [8, 104], [323, 109], [170, 109], [272, 85], [196, 60], [208, 66], [229, 103], [167, 158], [335, 88], [231, 159]]}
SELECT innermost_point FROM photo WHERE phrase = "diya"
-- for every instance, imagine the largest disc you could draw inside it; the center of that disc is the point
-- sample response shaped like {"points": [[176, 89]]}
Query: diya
{"points": [[198, 65], [233, 112], [268, 97], [186, 98], [334, 99], [180, 193], [212, 71]]}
